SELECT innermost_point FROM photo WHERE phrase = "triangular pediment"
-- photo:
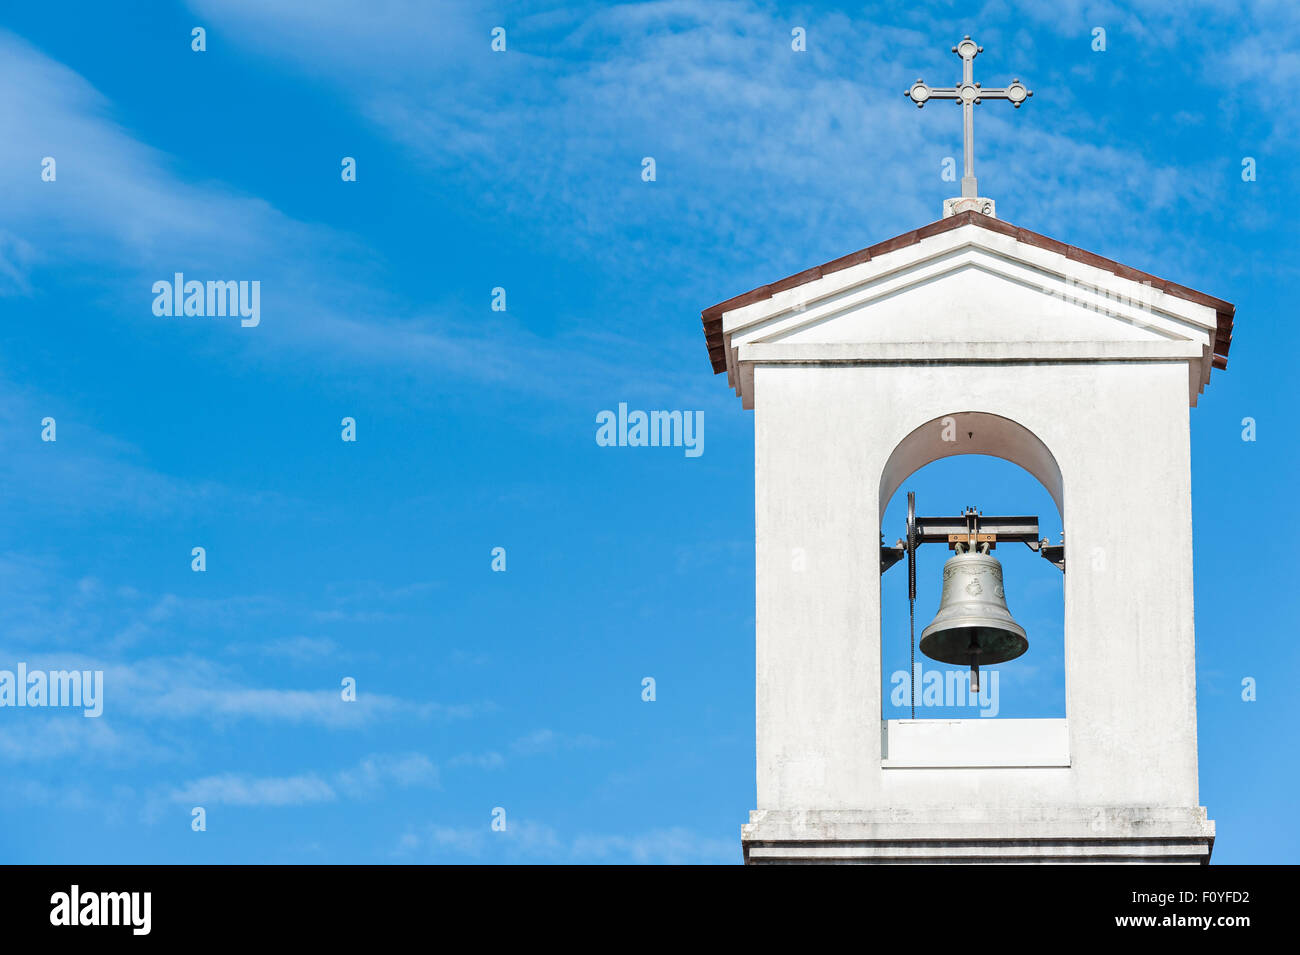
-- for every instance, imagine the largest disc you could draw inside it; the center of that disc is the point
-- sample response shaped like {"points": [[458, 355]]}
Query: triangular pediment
{"points": [[970, 295], [969, 285]]}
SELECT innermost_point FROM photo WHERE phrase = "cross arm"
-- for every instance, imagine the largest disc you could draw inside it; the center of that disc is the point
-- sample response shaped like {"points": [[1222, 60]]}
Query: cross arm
{"points": [[919, 93], [1016, 93]]}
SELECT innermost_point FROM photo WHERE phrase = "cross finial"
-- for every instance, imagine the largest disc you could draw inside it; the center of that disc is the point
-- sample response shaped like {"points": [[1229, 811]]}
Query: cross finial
{"points": [[968, 93]]}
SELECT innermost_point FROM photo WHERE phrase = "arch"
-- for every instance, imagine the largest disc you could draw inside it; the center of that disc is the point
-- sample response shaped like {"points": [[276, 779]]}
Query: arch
{"points": [[995, 436], [976, 432]]}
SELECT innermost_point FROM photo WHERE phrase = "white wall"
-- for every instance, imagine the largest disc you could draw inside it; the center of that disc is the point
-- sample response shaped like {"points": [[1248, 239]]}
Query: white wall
{"points": [[1119, 433]]}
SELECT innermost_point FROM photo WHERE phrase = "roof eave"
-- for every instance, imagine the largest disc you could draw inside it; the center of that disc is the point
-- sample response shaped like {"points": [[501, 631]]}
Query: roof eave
{"points": [[711, 317]]}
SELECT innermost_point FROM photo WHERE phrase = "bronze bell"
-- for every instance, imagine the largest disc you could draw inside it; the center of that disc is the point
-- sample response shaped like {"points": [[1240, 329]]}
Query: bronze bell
{"points": [[973, 625]]}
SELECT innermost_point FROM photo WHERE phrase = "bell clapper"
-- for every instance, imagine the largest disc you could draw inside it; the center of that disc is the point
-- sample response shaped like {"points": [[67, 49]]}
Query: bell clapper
{"points": [[974, 666]]}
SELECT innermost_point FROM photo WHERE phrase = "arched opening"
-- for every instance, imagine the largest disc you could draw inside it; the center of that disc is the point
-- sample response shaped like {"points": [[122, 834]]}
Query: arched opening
{"points": [[1001, 468], [972, 432]]}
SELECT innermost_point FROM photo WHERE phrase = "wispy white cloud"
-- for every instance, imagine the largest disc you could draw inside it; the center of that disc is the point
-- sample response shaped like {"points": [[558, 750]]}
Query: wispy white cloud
{"points": [[674, 846], [16, 790], [116, 198], [234, 790], [488, 760], [373, 773], [549, 741], [194, 688], [122, 204], [540, 742], [368, 778], [189, 687], [530, 841], [45, 735], [300, 649], [316, 707], [751, 140], [88, 470]]}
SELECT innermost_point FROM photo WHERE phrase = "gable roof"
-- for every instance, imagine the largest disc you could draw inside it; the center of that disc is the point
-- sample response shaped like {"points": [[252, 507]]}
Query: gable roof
{"points": [[712, 316]]}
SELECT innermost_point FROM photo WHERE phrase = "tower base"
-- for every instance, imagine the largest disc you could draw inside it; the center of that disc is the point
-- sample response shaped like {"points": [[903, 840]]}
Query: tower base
{"points": [[1107, 835]]}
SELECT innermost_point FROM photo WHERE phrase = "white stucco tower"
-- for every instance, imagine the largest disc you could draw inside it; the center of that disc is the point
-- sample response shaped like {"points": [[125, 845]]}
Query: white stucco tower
{"points": [[1078, 369]]}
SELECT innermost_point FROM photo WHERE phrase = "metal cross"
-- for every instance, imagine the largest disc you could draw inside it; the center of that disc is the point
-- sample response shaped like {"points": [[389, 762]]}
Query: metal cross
{"points": [[968, 94]]}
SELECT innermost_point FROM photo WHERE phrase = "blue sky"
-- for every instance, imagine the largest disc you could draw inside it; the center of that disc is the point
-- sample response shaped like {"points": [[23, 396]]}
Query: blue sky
{"points": [[475, 428]]}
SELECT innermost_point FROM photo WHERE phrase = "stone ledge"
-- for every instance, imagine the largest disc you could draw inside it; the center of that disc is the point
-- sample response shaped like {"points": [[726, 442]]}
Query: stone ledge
{"points": [[1127, 834], [982, 853]]}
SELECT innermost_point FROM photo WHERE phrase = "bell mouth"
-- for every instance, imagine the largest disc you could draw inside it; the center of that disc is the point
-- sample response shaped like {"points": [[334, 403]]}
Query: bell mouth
{"points": [[990, 645]]}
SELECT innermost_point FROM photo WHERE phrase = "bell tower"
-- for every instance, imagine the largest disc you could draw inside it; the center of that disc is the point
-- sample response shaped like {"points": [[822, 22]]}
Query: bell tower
{"points": [[973, 336]]}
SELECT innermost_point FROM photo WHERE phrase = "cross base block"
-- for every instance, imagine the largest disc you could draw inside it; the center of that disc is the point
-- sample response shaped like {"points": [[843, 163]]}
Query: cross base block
{"points": [[984, 207]]}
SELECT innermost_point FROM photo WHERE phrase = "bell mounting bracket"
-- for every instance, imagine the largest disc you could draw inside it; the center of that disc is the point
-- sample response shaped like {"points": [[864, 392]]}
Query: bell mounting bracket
{"points": [[971, 530]]}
